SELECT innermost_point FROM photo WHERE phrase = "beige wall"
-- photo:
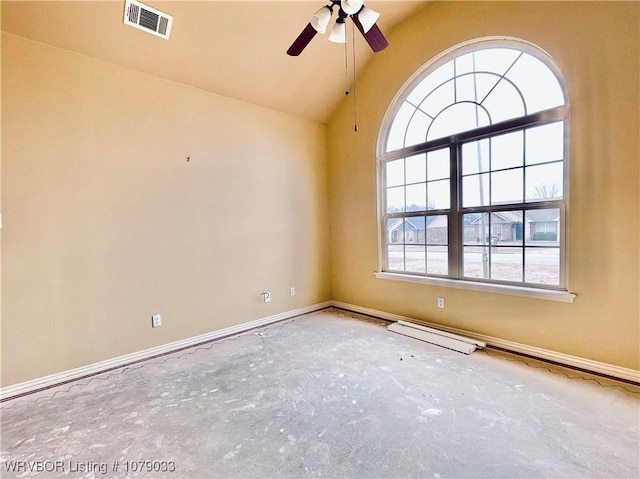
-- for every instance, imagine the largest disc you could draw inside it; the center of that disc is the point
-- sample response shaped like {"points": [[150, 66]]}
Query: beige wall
{"points": [[597, 46], [106, 223]]}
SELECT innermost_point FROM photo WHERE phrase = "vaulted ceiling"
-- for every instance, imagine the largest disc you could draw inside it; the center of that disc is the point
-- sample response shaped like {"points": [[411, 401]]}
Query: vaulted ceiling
{"points": [[232, 48]]}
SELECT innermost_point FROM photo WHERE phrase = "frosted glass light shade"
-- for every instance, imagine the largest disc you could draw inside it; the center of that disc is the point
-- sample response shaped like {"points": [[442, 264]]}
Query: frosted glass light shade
{"points": [[351, 6], [320, 20], [368, 18], [339, 33]]}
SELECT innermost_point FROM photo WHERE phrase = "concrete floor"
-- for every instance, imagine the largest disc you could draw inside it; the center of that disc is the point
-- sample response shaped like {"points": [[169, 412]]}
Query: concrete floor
{"points": [[329, 394]]}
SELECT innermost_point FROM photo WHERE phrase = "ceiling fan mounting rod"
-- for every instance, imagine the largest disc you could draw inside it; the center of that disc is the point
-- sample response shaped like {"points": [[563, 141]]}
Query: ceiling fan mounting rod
{"points": [[355, 7], [334, 3]]}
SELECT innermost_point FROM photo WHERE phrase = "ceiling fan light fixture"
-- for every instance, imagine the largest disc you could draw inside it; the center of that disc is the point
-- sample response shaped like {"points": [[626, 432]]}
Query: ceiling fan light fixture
{"points": [[364, 20], [320, 20], [351, 7], [368, 18], [339, 32]]}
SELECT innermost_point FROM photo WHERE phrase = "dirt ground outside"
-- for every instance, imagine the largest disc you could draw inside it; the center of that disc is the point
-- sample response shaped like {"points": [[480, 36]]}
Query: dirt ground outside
{"points": [[505, 262]]}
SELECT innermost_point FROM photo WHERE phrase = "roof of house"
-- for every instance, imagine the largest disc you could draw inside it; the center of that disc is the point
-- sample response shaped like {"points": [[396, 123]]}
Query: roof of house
{"points": [[552, 214], [471, 219], [418, 222]]}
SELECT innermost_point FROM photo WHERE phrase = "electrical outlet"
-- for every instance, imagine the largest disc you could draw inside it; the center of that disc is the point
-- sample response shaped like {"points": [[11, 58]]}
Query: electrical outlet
{"points": [[440, 302], [267, 296], [156, 321], [293, 290]]}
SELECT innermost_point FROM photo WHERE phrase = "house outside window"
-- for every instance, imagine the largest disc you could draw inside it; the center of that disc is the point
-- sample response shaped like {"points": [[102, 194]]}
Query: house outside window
{"points": [[472, 169]]}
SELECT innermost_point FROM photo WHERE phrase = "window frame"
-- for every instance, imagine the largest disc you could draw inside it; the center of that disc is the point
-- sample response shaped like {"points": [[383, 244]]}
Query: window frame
{"points": [[455, 212]]}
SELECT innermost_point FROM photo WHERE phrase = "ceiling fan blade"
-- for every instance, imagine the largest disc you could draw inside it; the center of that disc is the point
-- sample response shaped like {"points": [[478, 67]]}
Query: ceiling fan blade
{"points": [[374, 36], [302, 41]]}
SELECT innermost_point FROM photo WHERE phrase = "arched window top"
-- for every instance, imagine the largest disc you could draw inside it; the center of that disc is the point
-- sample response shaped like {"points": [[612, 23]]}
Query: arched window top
{"points": [[465, 89]]}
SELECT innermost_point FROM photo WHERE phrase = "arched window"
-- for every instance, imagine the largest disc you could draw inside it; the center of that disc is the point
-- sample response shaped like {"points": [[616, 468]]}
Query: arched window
{"points": [[472, 169]]}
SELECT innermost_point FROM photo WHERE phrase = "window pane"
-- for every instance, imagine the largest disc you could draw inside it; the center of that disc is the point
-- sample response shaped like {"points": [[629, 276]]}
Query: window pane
{"points": [[544, 182], [430, 82], [414, 230], [506, 264], [475, 228], [507, 151], [465, 63], [506, 228], [395, 257], [475, 157], [484, 83], [538, 84], [395, 173], [543, 227], [437, 230], [395, 231], [475, 190], [545, 143], [439, 197], [417, 197], [474, 87], [437, 260], [415, 259], [437, 239], [417, 129], [395, 200], [476, 261], [416, 168], [504, 102], [542, 266], [395, 246], [506, 186], [467, 88], [495, 59], [457, 118], [439, 99], [398, 128], [438, 164]]}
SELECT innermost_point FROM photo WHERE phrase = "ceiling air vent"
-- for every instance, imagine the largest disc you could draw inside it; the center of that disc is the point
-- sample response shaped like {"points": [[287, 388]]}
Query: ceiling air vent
{"points": [[147, 19]]}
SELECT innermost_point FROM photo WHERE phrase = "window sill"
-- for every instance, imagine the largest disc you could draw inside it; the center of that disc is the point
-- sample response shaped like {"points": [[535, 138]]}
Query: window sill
{"points": [[533, 293]]}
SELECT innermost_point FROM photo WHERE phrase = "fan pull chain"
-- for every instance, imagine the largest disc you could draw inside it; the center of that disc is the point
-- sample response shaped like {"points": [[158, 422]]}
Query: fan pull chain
{"points": [[346, 73], [355, 90], [346, 68]]}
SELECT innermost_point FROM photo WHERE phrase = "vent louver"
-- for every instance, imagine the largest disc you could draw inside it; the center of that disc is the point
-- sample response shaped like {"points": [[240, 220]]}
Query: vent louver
{"points": [[147, 19]]}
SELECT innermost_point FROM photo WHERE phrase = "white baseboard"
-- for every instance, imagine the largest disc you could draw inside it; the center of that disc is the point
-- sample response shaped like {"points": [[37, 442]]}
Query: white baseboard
{"points": [[544, 354], [34, 385], [38, 384]]}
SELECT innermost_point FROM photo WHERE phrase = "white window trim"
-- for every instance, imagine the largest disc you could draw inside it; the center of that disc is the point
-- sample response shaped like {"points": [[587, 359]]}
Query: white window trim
{"points": [[509, 290]]}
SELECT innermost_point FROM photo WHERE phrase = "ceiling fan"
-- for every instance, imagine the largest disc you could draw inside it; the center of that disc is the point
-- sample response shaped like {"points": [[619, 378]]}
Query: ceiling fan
{"points": [[363, 18]]}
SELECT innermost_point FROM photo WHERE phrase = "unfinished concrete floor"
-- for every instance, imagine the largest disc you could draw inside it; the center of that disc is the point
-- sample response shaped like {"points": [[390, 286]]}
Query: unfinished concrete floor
{"points": [[329, 394]]}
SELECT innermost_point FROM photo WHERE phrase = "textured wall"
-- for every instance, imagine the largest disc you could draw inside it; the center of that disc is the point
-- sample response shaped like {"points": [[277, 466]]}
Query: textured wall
{"points": [[106, 223]]}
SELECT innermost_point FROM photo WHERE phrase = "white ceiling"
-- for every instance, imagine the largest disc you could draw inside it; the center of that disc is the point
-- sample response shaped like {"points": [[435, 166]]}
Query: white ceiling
{"points": [[233, 48]]}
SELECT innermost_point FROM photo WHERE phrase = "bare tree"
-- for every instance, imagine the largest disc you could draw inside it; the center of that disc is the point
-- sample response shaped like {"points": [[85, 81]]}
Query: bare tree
{"points": [[547, 192]]}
